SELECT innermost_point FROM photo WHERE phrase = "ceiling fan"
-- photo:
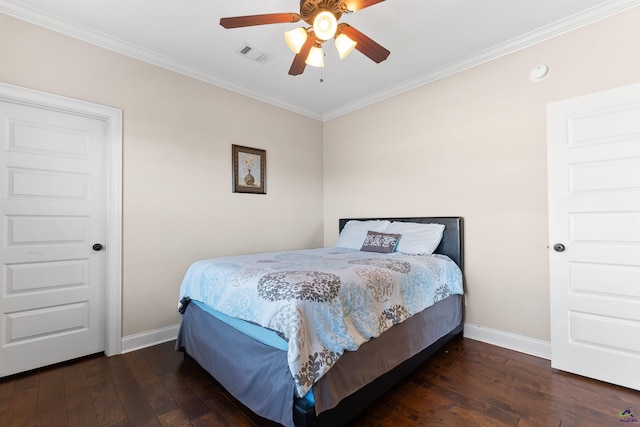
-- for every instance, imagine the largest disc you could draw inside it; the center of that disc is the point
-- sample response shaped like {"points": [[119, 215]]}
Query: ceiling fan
{"points": [[323, 17]]}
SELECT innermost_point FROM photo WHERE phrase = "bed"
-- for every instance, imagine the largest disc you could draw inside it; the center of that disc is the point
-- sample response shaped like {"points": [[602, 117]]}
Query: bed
{"points": [[292, 387]]}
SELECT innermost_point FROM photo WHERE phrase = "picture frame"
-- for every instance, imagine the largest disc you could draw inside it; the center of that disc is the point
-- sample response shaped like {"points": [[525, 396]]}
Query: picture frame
{"points": [[249, 169]]}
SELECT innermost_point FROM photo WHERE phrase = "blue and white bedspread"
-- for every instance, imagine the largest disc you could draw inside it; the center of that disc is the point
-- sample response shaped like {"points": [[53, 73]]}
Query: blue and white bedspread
{"points": [[323, 301]]}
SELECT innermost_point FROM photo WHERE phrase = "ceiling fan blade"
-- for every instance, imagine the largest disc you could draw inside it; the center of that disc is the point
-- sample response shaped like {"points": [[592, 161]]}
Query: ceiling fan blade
{"points": [[367, 46], [299, 64], [250, 20], [355, 5]]}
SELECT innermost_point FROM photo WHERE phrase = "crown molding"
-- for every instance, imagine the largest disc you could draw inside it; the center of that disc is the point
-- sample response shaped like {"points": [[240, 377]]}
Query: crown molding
{"points": [[136, 52], [120, 46], [527, 40]]}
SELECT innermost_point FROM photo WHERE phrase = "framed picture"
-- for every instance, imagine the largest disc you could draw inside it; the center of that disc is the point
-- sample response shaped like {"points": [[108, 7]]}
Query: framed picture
{"points": [[249, 169]]}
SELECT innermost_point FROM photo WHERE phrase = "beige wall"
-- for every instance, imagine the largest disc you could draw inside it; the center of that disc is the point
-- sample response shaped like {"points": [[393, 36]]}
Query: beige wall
{"points": [[474, 145], [178, 204]]}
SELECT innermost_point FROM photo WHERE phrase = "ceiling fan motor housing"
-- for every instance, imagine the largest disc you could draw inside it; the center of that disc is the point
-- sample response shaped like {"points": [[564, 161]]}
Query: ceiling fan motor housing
{"points": [[310, 8]]}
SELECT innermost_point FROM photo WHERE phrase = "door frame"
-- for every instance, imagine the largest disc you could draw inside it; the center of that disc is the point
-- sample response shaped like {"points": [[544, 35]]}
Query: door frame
{"points": [[112, 118]]}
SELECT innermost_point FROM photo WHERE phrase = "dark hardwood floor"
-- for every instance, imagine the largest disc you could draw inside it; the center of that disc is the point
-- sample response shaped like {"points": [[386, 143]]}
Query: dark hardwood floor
{"points": [[468, 383]]}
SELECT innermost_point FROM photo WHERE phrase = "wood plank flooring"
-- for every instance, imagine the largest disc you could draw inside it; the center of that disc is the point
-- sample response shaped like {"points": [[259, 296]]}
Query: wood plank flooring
{"points": [[469, 383]]}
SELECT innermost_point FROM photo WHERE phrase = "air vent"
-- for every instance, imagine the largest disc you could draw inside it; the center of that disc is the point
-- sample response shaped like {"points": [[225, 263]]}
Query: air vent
{"points": [[254, 54]]}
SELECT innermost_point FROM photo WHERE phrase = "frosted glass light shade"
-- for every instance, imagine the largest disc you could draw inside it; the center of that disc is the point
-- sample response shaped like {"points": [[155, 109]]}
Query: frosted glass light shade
{"points": [[315, 57], [325, 25], [344, 45], [295, 39]]}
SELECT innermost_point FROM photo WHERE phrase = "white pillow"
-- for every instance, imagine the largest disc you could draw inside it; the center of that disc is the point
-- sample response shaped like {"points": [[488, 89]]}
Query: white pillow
{"points": [[416, 238], [354, 232]]}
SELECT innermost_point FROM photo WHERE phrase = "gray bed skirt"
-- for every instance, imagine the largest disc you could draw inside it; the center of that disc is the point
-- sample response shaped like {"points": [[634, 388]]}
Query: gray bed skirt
{"points": [[259, 377]]}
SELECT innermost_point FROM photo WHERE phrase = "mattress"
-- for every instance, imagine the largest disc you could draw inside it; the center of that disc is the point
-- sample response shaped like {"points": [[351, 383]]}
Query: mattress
{"points": [[322, 301]]}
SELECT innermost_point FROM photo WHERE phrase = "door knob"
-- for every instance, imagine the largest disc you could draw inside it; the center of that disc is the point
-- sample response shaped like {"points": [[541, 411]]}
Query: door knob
{"points": [[97, 247], [558, 247]]}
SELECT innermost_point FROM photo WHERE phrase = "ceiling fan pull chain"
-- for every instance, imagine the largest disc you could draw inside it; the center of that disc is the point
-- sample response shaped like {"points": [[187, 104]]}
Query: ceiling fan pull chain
{"points": [[322, 68]]}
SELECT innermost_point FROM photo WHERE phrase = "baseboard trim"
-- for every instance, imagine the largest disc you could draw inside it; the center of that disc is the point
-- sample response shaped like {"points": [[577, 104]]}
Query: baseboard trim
{"points": [[149, 338], [532, 346]]}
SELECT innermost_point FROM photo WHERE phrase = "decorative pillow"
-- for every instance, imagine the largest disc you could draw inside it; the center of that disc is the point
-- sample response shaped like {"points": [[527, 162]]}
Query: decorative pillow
{"points": [[417, 239], [354, 232], [383, 243]]}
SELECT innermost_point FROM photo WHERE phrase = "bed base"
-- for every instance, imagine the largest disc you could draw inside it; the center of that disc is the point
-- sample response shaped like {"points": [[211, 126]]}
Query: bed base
{"points": [[304, 414]]}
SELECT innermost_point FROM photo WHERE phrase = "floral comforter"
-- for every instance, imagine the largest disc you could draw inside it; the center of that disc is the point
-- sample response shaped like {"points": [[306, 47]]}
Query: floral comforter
{"points": [[323, 301]]}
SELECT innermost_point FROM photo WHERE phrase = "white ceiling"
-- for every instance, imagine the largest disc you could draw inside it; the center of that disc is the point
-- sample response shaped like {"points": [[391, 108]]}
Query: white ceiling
{"points": [[428, 39]]}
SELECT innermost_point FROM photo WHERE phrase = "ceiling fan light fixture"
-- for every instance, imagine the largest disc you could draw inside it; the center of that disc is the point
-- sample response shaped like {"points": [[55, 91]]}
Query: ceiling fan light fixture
{"points": [[325, 25], [295, 39], [315, 57], [344, 45], [319, 20]]}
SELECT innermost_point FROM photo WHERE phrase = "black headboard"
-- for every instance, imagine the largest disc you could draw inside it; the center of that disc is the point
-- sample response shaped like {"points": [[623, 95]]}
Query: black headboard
{"points": [[452, 238]]}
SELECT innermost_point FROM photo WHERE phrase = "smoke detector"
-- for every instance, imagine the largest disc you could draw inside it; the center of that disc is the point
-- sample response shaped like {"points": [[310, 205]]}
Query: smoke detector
{"points": [[540, 72]]}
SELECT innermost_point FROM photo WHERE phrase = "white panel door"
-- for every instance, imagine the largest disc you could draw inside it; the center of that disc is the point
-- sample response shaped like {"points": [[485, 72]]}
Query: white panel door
{"points": [[594, 213], [52, 208]]}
